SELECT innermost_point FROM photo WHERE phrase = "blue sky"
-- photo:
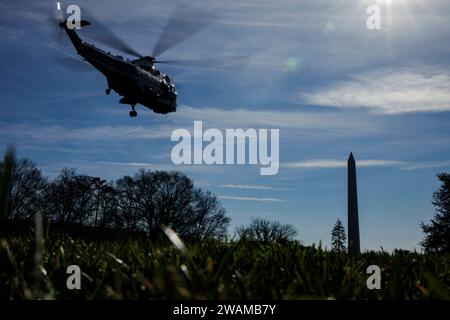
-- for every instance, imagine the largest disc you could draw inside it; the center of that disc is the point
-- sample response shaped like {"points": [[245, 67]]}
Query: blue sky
{"points": [[316, 73]]}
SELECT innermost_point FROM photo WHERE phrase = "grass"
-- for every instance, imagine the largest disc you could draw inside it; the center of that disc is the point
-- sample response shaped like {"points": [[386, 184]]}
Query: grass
{"points": [[139, 269]]}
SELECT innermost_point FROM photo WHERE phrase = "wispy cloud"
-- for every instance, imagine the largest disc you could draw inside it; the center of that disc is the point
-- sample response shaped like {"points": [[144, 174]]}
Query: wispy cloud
{"points": [[251, 199], [335, 163], [54, 133], [291, 122], [116, 169], [143, 165], [332, 122], [427, 165], [389, 91], [156, 166], [252, 187]]}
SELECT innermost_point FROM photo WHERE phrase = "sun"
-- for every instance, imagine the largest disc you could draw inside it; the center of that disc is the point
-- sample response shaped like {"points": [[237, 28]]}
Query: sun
{"points": [[389, 2]]}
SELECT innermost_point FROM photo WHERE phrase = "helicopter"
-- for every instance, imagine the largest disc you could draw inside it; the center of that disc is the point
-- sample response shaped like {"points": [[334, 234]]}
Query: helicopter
{"points": [[138, 81]]}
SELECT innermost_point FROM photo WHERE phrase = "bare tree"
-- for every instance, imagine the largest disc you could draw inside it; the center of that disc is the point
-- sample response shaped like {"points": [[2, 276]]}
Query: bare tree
{"points": [[23, 189], [265, 230], [70, 198], [5, 184], [150, 199], [85, 198], [209, 220], [173, 201], [128, 214], [59, 195], [139, 203], [105, 208], [137, 198]]}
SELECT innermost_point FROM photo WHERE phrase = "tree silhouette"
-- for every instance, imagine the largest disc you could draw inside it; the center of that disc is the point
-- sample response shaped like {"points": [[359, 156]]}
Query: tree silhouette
{"points": [[338, 237], [5, 186], [105, 203], [437, 237], [128, 214], [209, 220], [265, 230], [22, 187], [173, 202], [27, 187], [142, 203], [69, 198], [151, 199]]}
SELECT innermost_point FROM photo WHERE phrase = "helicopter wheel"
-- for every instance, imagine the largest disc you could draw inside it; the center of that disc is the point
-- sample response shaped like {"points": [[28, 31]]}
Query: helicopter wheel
{"points": [[133, 114], [108, 91]]}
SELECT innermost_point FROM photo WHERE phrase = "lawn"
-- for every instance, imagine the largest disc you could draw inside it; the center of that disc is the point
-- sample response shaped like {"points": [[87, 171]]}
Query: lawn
{"points": [[140, 269]]}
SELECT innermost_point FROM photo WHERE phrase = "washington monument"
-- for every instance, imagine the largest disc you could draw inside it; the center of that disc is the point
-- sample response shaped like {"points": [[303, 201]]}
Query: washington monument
{"points": [[353, 221]]}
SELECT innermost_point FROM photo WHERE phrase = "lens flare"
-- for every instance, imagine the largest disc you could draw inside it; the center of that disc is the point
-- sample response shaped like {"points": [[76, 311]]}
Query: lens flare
{"points": [[291, 65]]}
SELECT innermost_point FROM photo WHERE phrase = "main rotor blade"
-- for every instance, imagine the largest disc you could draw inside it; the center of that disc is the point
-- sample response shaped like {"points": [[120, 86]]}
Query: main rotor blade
{"points": [[184, 22], [99, 32], [232, 63]]}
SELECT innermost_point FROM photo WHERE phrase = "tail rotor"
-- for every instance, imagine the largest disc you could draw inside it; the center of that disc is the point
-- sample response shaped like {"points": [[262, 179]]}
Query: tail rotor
{"points": [[59, 15]]}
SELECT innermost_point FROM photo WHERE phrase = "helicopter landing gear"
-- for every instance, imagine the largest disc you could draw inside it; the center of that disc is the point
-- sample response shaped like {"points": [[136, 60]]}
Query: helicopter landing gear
{"points": [[108, 91], [133, 112]]}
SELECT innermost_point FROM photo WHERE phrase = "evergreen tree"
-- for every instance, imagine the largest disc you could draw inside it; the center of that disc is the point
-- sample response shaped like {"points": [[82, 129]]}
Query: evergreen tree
{"points": [[338, 237], [437, 237]]}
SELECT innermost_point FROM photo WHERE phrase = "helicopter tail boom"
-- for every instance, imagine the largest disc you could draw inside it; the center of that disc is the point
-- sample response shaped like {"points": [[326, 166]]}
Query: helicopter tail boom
{"points": [[83, 23]]}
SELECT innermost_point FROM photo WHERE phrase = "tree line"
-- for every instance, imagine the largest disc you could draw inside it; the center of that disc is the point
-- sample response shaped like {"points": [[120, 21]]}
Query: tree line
{"points": [[149, 199], [139, 203]]}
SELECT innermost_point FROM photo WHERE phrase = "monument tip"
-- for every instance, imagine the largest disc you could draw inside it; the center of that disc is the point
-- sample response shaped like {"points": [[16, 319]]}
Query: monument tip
{"points": [[351, 158]]}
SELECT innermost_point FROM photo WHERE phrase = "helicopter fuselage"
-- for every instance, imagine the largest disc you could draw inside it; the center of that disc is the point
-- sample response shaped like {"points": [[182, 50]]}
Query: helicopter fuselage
{"points": [[135, 81]]}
